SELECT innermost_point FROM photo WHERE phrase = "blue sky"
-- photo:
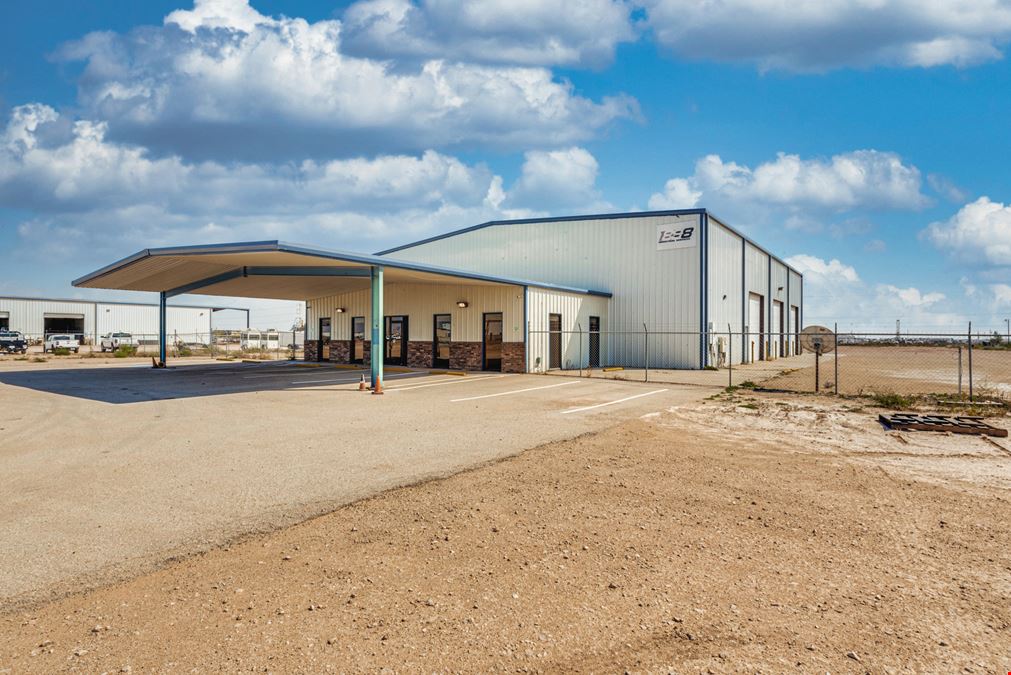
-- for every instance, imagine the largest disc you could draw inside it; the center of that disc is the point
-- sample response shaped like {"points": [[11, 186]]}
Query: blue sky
{"points": [[866, 144]]}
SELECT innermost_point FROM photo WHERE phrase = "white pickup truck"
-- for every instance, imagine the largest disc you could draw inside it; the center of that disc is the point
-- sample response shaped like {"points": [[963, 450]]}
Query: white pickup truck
{"points": [[60, 341], [112, 341]]}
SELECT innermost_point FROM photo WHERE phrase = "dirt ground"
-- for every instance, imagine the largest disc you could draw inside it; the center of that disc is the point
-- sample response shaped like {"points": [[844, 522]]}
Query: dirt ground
{"points": [[909, 369], [740, 534]]}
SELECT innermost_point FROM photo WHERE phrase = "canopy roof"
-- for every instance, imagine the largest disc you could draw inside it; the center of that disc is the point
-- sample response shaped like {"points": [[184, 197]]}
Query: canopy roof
{"points": [[275, 270]]}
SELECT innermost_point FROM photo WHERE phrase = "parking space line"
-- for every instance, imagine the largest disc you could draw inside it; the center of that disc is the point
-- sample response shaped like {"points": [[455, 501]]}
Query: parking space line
{"points": [[352, 379], [515, 391], [455, 380], [620, 400]]}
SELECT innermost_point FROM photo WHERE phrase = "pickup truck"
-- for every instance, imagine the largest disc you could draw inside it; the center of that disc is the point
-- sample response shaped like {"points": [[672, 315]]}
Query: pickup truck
{"points": [[54, 342], [112, 341], [12, 342]]}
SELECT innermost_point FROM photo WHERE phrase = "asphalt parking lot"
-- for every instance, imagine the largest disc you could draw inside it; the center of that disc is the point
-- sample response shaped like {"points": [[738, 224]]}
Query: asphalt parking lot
{"points": [[111, 469]]}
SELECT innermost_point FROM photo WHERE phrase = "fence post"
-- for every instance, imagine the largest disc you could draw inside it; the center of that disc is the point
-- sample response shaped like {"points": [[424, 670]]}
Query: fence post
{"points": [[835, 344], [730, 356], [970, 362], [646, 332]]}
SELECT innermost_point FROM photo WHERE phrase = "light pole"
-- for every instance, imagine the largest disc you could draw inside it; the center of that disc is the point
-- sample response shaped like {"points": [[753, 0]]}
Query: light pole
{"points": [[1007, 322]]}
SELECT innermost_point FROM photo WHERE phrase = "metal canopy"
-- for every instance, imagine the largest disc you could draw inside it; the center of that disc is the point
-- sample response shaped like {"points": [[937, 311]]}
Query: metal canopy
{"points": [[274, 270]]}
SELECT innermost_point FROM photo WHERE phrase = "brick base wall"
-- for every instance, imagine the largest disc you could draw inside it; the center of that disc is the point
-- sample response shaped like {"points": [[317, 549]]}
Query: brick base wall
{"points": [[514, 357], [465, 355], [462, 355], [340, 351], [419, 354]]}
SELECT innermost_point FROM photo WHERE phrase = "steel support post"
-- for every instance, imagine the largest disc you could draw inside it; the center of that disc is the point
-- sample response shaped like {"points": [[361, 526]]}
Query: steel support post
{"points": [[378, 350], [162, 328]]}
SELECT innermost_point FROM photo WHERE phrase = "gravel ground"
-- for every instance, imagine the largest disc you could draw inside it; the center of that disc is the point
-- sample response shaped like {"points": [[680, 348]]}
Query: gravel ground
{"points": [[655, 544]]}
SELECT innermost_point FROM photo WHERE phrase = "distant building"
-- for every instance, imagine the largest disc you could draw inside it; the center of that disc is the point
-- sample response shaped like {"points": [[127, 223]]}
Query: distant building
{"points": [[88, 320]]}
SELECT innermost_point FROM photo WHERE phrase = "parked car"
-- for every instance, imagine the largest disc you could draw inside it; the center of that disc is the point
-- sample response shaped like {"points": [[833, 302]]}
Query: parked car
{"points": [[110, 342], [12, 342], [61, 341]]}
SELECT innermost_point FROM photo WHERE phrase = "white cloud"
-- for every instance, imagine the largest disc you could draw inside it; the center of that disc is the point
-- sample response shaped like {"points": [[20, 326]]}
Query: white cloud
{"points": [[678, 193], [835, 293], [523, 32], [911, 296], [563, 178], [820, 36], [863, 179], [1001, 295], [979, 232], [94, 197], [223, 81], [823, 272]]}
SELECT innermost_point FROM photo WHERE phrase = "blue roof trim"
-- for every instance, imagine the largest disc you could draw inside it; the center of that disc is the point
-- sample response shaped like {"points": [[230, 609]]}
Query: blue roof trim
{"points": [[344, 256], [595, 216]]}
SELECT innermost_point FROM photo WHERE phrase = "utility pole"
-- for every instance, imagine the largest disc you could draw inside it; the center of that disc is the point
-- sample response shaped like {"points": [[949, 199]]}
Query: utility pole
{"points": [[898, 331], [1007, 322]]}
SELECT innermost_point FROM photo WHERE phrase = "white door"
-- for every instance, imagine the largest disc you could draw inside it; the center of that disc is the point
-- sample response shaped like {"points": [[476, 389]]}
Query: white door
{"points": [[756, 326], [777, 329], [794, 329]]}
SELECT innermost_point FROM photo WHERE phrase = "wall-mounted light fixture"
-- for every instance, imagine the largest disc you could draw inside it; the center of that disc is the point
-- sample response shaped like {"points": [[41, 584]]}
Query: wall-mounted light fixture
{"points": [[339, 310], [780, 288], [724, 296], [462, 304]]}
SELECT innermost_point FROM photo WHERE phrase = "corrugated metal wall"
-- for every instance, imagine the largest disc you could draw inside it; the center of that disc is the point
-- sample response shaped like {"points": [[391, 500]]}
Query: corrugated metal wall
{"points": [[619, 255], [756, 275], [726, 251], [420, 303], [778, 293], [575, 310]]}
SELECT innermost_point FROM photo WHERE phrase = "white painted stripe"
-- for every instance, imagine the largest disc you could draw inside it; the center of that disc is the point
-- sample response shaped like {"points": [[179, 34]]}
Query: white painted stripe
{"points": [[287, 371], [515, 391], [620, 400], [356, 378], [455, 380]]}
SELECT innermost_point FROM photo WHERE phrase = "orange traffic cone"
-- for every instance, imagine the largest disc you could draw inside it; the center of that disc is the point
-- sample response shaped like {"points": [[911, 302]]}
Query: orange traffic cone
{"points": [[361, 385]]}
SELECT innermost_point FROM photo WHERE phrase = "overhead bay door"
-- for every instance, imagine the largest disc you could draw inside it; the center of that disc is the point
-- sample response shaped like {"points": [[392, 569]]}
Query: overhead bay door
{"points": [[756, 327], [778, 334]]}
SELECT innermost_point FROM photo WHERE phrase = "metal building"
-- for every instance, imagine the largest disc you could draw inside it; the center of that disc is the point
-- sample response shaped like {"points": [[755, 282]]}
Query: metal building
{"points": [[683, 273], [88, 320], [513, 296]]}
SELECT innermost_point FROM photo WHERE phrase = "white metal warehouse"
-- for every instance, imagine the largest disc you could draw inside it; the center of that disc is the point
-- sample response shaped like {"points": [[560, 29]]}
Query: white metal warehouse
{"points": [[514, 296], [87, 320], [683, 272]]}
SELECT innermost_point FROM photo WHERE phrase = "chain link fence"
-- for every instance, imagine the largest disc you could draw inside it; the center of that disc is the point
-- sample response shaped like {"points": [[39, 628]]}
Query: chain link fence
{"points": [[238, 344], [956, 365]]}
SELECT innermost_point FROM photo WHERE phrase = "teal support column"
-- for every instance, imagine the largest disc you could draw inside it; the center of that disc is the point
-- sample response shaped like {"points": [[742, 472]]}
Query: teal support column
{"points": [[378, 338], [162, 328]]}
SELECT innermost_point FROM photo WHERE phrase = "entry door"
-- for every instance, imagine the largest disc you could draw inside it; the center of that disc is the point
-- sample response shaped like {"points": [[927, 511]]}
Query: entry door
{"points": [[594, 342], [777, 325], [442, 333], [756, 327], [396, 341], [555, 341], [492, 341], [325, 335], [358, 339], [795, 327]]}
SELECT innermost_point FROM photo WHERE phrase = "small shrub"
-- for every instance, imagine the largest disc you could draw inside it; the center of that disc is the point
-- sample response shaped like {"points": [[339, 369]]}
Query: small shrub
{"points": [[894, 401], [710, 368], [61, 351], [39, 359], [184, 350], [747, 384], [123, 351]]}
